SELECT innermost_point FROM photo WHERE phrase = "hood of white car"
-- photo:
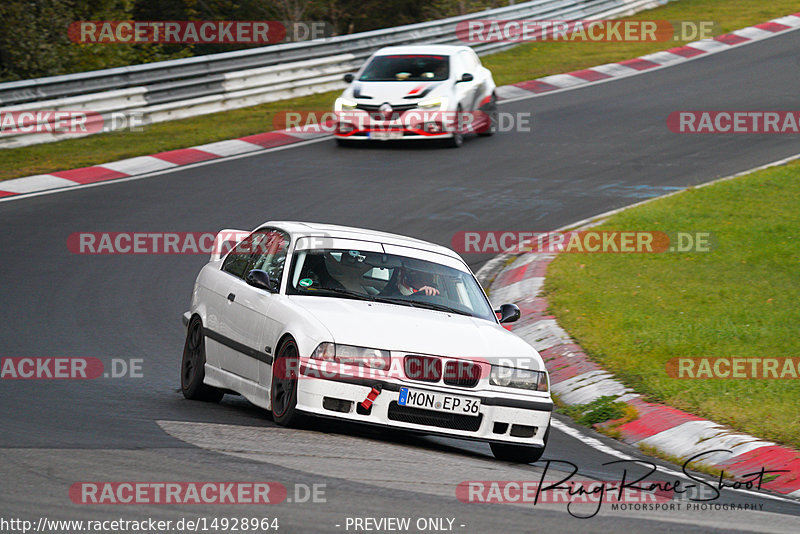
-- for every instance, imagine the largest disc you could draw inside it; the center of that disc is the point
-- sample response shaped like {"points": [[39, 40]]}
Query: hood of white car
{"points": [[395, 93], [417, 330]]}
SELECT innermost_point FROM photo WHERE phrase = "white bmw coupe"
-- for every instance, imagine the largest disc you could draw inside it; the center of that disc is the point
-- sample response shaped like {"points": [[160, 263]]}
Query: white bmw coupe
{"points": [[311, 319], [417, 92]]}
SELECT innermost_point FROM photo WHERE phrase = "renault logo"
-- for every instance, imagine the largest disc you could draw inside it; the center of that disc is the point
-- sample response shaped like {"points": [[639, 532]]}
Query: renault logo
{"points": [[386, 111]]}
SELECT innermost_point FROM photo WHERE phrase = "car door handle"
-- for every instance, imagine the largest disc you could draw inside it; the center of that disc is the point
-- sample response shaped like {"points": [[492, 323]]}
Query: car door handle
{"points": [[231, 297]]}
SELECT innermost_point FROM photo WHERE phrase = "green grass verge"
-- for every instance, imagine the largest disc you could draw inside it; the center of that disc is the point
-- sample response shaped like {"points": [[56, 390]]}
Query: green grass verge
{"points": [[521, 63], [634, 312], [159, 137], [598, 411]]}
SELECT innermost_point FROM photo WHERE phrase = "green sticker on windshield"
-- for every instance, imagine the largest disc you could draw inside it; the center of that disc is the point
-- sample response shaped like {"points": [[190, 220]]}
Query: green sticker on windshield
{"points": [[305, 282]]}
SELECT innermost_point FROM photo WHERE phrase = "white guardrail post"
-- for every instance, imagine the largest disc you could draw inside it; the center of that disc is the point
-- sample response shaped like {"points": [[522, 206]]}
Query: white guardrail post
{"points": [[182, 88]]}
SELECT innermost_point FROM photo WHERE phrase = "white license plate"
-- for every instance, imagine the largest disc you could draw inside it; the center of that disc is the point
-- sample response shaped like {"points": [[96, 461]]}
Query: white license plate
{"points": [[386, 135], [440, 402]]}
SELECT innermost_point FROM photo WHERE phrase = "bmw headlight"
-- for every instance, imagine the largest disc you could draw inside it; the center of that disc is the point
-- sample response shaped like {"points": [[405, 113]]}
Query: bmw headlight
{"points": [[344, 104], [433, 104], [351, 355], [511, 377]]}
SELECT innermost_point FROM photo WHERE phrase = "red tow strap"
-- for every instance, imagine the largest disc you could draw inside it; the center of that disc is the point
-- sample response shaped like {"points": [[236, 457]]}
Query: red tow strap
{"points": [[367, 403]]}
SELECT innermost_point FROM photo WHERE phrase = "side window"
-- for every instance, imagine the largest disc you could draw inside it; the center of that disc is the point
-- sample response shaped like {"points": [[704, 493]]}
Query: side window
{"points": [[238, 259], [270, 256]]}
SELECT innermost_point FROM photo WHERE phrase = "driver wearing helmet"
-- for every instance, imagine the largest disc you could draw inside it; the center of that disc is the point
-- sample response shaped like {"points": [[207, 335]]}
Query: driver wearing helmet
{"points": [[407, 281]]}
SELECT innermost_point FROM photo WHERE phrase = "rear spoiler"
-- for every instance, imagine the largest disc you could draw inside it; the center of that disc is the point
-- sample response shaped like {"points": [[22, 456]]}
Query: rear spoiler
{"points": [[226, 240]]}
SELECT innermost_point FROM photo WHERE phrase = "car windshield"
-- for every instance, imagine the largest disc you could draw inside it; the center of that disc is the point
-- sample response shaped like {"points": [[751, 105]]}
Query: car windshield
{"points": [[387, 278], [406, 68]]}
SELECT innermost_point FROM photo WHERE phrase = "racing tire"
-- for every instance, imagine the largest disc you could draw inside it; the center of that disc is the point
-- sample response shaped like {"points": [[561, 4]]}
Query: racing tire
{"points": [[458, 137], [193, 366], [521, 454], [283, 389]]}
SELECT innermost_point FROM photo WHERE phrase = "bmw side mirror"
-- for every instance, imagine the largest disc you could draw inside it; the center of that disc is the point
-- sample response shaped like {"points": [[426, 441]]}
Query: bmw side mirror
{"points": [[508, 313], [466, 77], [348, 77], [260, 279]]}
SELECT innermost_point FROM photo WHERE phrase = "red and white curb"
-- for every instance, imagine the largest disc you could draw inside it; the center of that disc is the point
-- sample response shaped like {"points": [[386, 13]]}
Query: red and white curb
{"points": [[155, 162], [640, 64], [259, 142], [578, 380]]}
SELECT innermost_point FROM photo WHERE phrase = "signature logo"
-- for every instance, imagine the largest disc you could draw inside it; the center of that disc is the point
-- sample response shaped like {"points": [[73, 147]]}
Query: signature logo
{"points": [[585, 498]]}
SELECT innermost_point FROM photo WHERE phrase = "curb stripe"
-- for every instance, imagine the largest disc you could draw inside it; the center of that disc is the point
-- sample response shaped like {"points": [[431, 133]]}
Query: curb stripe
{"points": [[639, 64], [269, 139], [511, 276], [18, 186], [776, 457], [686, 51], [710, 45], [773, 27], [230, 147], [139, 164], [653, 419], [563, 81], [185, 156], [731, 39], [88, 175], [590, 75], [536, 86]]}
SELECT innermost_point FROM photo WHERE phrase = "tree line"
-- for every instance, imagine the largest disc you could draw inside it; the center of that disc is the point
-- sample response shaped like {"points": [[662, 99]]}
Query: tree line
{"points": [[34, 40]]}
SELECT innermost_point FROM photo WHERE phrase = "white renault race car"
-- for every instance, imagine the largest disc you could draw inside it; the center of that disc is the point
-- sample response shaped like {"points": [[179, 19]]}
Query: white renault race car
{"points": [[417, 92], [311, 319]]}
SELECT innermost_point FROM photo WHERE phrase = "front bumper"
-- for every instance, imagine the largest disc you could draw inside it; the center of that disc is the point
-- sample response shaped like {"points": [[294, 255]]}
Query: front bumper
{"points": [[516, 419], [414, 124], [394, 134]]}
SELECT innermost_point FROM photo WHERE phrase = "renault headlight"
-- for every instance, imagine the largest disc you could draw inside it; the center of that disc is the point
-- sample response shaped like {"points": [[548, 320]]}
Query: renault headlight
{"points": [[511, 377], [351, 355], [433, 104], [344, 104]]}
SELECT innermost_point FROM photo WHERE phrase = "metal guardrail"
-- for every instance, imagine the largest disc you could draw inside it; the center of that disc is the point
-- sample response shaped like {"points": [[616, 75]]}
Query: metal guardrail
{"points": [[181, 88]]}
